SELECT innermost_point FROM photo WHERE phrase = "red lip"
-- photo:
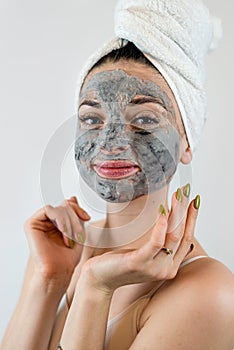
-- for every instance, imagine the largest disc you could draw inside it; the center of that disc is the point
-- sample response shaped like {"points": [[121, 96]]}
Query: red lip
{"points": [[117, 169]]}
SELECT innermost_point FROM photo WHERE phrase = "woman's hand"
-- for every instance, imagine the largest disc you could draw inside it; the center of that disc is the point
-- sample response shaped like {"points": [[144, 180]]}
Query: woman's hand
{"points": [[159, 259], [51, 233]]}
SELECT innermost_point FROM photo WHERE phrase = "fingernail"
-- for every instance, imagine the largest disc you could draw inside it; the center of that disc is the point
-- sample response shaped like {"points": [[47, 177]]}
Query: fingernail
{"points": [[186, 190], [71, 243], [80, 237], [86, 215], [162, 210], [179, 195], [65, 228], [197, 202]]}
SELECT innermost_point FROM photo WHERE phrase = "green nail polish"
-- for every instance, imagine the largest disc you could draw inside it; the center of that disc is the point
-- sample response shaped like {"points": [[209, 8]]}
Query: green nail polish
{"points": [[71, 243], [80, 237], [197, 202], [179, 195], [162, 210], [187, 190]]}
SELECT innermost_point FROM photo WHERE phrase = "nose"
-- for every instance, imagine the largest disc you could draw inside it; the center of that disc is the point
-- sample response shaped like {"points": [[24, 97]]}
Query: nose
{"points": [[114, 150], [114, 140]]}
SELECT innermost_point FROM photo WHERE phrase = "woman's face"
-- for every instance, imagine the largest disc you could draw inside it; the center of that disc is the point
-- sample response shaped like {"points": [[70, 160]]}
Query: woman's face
{"points": [[128, 141]]}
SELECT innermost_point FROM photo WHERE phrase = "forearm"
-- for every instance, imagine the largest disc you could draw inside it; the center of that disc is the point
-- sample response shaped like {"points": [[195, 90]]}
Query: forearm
{"points": [[31, 324], [86, 323]]}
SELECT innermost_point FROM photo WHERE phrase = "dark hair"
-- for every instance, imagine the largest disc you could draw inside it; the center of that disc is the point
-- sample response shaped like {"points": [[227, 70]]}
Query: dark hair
{"points": [[127, 52], [130, 52]]}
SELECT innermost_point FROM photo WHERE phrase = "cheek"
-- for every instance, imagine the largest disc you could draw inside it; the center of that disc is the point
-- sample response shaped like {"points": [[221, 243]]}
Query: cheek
{"points": [[86, 144], [166, 149], [159, 152]]}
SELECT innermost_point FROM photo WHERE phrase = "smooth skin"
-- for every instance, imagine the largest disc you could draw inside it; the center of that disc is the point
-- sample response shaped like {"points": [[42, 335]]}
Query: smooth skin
{"points": [[193, 309]]}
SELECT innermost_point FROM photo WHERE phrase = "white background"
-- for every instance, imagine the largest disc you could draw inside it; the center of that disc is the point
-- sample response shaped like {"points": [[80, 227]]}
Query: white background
{"points": [[43, 45]]}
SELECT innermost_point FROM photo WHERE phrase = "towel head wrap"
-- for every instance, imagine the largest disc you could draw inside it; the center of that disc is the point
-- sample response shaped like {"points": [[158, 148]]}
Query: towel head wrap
{"points": [[175, 36]]}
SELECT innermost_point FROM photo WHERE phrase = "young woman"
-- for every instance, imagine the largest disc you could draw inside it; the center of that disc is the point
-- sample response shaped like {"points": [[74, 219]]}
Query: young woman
{"points": [[156, 288]]}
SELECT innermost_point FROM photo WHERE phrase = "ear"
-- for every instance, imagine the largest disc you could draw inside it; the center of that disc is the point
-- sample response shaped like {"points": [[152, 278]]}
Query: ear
{"points": [[186, 154]]}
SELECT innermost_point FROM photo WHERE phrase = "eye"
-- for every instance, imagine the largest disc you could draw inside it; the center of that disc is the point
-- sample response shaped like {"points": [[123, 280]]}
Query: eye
{"points": [[145, 122], [91, 122]]}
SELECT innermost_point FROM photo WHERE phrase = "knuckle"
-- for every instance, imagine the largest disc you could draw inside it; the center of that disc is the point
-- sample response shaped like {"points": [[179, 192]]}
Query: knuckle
{"points": [[72, 206], [174, 236], [162, 225], [48, 208], [65, 204], [157, 243], [188, 237], [133, 265], [30, 225]]}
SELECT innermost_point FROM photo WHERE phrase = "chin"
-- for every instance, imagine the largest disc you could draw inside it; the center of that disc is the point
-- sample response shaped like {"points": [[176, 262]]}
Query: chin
{"points": [[129, 193], [126, 189]]}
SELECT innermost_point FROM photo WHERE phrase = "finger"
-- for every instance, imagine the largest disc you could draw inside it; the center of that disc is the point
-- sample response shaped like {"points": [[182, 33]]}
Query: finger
{"points": [[50, 214], [77, 226], [64, 225], [79, 211], [179, 206], [41, 214], [73, 199], [177, 218], [188, 237], [156, 242], [39, 221], [59, 216]]}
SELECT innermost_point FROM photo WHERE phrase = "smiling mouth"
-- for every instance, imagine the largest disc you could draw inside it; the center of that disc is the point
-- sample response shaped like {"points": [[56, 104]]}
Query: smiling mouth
{"points": [[117, 169]]}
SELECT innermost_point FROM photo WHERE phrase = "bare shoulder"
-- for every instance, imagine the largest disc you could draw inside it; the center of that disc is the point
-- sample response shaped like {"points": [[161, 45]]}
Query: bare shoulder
{"points": [[206, 274], [201, 299]]}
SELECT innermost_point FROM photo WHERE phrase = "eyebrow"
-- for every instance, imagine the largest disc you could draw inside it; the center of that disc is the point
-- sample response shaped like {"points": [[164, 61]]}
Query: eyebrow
{"points": [[90, 103], [147, 99], [135, 101]]}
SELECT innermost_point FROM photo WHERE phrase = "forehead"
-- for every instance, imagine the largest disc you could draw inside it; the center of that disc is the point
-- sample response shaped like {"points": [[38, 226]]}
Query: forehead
{"points": [[125, 77]]}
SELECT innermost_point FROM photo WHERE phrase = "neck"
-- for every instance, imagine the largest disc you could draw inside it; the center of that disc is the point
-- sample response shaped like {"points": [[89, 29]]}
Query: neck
{"points": [[129, 225], [144, 208]]}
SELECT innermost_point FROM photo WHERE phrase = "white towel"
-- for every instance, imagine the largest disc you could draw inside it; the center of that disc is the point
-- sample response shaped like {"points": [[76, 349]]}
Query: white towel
{"points": [[175, 35]]}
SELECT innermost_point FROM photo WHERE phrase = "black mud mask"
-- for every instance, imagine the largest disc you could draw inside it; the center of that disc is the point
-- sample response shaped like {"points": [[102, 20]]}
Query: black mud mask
{"points": [[127, 143]]}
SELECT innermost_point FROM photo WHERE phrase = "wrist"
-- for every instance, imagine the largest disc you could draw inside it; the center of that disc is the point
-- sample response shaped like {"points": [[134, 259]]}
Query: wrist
{"points": [[89, 282], [90, 299], [48, 286]]}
